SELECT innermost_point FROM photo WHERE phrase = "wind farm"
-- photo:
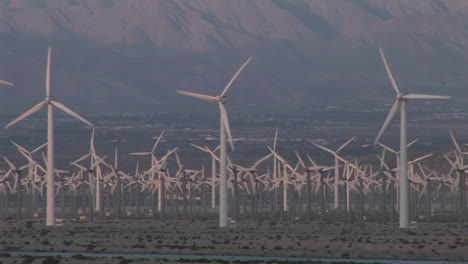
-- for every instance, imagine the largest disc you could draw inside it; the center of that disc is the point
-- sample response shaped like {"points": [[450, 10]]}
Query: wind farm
{"points": [[312, 164], [312, 182]]}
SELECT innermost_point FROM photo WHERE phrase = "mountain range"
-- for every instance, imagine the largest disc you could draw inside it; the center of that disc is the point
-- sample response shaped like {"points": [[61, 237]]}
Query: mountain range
{"points": [[118, 56]]}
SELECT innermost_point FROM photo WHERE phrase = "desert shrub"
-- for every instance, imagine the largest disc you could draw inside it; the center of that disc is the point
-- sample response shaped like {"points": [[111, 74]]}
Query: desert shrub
{"points": [[51, 260], [126, 261], [81, 257]]}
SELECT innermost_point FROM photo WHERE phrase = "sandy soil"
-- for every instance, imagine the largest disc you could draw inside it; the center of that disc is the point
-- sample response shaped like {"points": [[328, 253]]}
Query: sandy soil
{"points": [[316, 239]]}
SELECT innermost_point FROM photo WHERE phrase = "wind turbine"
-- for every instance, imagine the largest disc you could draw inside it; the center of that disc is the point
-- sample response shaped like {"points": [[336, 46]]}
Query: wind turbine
{"points": [[400, 102], [214, 158], [224, 128], [154, 160], [337, 170], [94, 173], [50, 212]]}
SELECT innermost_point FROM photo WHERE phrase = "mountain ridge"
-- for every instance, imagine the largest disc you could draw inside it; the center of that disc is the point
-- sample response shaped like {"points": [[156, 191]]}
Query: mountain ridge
{"points": [[307, 53]]}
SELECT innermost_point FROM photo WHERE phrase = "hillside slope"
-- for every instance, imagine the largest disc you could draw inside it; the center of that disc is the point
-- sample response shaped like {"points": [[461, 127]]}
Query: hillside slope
{"points": [[308, 53]]}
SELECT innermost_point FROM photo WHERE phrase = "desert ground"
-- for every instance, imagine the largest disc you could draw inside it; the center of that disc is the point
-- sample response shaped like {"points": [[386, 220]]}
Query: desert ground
{"points": [[344, 240]]}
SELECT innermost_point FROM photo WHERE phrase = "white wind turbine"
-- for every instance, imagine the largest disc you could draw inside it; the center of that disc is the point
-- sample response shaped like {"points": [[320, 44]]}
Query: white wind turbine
{"points": [[337, 169], [400, 101], [214, 158], [224, 128], [154, 160], [50, 212], [94, 173]]}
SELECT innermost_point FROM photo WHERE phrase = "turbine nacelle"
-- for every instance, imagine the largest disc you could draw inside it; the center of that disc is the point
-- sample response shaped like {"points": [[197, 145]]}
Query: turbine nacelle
{"points": [[221, 99]]}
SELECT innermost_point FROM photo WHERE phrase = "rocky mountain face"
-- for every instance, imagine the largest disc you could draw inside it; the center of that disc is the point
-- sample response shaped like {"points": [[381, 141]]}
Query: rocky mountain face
{"points": [[131, 56]]}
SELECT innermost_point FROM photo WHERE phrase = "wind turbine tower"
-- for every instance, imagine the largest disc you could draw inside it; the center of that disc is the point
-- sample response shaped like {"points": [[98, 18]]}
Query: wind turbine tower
{"points": [[400, 102], [224, 128]]}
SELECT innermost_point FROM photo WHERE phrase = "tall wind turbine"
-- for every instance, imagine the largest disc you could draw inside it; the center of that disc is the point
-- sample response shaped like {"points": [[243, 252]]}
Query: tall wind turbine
{"points": [[224, 128], [50, 212], [400, 102]]}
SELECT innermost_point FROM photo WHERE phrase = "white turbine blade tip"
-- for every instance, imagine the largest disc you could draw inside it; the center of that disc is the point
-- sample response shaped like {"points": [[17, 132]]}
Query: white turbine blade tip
{"points": [[235, 76], [6, 83]]}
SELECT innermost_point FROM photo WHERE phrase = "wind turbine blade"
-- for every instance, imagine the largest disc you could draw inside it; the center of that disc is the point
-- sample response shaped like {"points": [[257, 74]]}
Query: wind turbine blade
{"points": [[387, 120], [179, 164], [157, 142], [91, 142], [200, 96], [19, 147], [300, 160], [168, 154], [235, 77], [140, 153], [389, 73], [213, 155], [312, 161], [345, 144], [276, 139], [452, 163], [26, 155], [424, 96], [258, 162], [421, 158], [31, 111], [381, 158], [412, 142], [322, 147], [45, 159], [48, 72], [423, 172], [38, 148], [342, 160], [215, 149], [81, 158], [225, 121], [9, 163], [6, 83], [385, 147], [100, 160], [455, 142], [281, 159], [137, 169], [70, 112], [116, 158], [199, 147]]}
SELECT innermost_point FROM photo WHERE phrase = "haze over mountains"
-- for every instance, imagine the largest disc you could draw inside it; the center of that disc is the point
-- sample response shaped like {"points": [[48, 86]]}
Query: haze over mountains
{"points": [[130, 56]]}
